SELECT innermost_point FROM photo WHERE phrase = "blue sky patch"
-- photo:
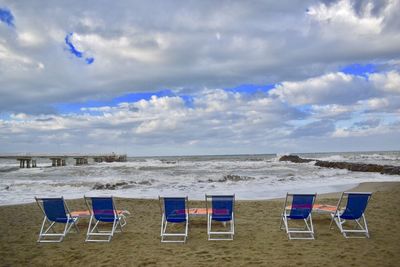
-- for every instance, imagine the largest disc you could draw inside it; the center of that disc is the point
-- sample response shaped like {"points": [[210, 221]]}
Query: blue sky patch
{"points": [[5, 116], [359, 69], [89, 60], [72, 49], [134, 97], [7, 17], [305, 108], [250, 88]]}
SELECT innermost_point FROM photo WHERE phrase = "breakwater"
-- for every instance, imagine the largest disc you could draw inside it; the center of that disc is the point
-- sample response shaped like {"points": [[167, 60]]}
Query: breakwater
{"points": [[352, 166]]}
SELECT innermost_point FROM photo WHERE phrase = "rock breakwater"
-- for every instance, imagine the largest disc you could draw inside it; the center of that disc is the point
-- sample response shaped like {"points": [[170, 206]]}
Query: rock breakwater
{"points": [[351, 166]]}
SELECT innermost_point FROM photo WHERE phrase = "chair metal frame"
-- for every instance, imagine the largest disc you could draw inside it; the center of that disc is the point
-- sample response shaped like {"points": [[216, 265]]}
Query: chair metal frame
{"points": [[94, 234], [361, 226], [228, 235], [55, 237], [164, 222], [293, 233]]}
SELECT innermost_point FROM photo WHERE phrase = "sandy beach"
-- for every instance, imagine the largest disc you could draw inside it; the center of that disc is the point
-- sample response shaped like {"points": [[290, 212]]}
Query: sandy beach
{"points": [[258, 240]]}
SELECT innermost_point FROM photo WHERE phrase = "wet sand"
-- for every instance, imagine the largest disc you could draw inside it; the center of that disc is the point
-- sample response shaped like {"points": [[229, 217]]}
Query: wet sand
{"points": [[258, 240]]}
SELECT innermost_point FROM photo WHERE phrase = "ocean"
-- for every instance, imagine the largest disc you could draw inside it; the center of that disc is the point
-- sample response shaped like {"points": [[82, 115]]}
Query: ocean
{"points": [[249, 177]]}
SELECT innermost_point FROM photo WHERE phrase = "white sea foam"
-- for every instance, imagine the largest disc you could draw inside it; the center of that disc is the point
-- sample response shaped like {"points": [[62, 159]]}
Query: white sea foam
{"points": [[254, 177]]}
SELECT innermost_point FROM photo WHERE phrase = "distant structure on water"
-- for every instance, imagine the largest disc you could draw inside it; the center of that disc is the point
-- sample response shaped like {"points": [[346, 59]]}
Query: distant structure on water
{"points": [[30, 161]]}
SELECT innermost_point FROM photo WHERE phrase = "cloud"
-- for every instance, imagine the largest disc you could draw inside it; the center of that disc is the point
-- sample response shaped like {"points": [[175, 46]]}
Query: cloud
{"points": [[371, 123], [367, 129], [165, 119], [314, 129], [388, 82], [174, 46], [332, 111], [331, 88], [342, 16], [217, 121], [237, 76]]}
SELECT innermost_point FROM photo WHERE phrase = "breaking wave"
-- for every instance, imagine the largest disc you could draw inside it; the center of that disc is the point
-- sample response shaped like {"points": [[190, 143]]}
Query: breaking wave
{"points": [[248, 176]]}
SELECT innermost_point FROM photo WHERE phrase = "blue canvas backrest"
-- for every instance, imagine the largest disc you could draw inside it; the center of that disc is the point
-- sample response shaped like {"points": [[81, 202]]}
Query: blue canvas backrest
{"points": [[356, 205], [103, 209], [54, 209], [301, 206], [222, 208], [175, 209]]}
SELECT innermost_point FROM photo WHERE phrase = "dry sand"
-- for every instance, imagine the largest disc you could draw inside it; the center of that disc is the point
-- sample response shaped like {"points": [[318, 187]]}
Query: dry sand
{"points": [[258, 240]]}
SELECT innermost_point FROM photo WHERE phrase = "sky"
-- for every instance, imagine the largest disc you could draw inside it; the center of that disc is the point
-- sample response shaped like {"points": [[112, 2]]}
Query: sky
{"points": [[199, 77]]}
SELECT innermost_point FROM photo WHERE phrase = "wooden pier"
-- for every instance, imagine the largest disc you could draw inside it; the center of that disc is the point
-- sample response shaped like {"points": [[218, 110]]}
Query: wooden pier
{"points": [[30, 160]]}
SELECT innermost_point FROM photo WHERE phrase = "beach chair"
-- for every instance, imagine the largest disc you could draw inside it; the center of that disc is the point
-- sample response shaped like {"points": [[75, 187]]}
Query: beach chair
{"points": [[55, 211], [352, 213], [298, 207], [103, 212], [174, 210], [222, 210]]}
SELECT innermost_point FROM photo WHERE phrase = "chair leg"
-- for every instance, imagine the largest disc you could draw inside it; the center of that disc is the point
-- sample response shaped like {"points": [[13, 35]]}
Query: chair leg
{"points": [[162, 226], [94, 231], [41, 229], [333, 218], [103, 235], [120, 225], [186, 228], [72, 224], [358, 227], [60, 236], [89, 225], [307, 230], [75, 225], [366, 226], [228, 235], [165, 234]]}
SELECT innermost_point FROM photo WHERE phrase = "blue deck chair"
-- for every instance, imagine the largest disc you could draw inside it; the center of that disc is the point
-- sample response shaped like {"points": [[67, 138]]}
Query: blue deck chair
{"points": [[103, 212], [55, 211], [298, 207], [222, 210], [174, 210], [353, 212]]}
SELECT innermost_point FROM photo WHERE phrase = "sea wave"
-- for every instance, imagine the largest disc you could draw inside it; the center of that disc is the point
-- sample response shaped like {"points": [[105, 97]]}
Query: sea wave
{"points": [[248, 176]]}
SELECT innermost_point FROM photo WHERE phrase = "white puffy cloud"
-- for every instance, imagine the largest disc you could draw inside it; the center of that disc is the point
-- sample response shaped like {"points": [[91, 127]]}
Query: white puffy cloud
{"points": [[338, 88], [217, 121], [332, 111], [341, 17], [367, 128], [330, 88], [165, 119], [388, 82]]}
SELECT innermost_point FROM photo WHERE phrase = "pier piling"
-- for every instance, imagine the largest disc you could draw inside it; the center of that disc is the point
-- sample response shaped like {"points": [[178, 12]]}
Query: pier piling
{"points": [[27, 162], [30, 161]]}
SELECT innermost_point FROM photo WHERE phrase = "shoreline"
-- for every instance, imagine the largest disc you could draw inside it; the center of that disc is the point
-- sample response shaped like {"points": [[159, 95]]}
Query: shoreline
{"points": [[361, 187]]}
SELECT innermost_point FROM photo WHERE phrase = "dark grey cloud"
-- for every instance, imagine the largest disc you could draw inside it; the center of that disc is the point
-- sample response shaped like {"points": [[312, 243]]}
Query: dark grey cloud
{"points": [[371, 123], [314, 129]]}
